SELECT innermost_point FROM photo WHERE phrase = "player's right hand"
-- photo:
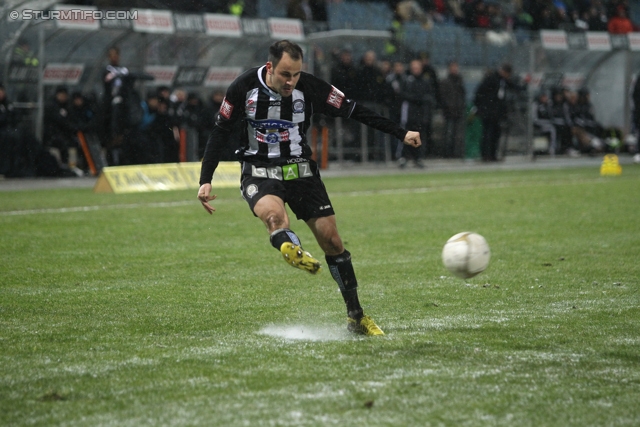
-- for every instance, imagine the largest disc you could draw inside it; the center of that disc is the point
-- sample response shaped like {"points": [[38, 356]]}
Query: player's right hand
{"points": [[204, 197], [413, 139]]}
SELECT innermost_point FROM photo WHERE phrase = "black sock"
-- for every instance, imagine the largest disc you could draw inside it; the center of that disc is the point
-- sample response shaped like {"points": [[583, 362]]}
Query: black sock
{"points": [[342, 272], [283, 235]]}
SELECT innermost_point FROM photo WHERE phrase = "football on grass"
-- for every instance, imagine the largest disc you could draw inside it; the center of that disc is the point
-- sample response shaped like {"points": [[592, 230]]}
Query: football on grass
{"points": [[466, 254]]}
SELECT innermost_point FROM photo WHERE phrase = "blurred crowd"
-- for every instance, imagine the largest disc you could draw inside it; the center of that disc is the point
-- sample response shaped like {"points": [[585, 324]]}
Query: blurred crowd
{"points": [[126, 127], [134, 126], [498, 15], [566, 118], [131, 126], [507, 15]]}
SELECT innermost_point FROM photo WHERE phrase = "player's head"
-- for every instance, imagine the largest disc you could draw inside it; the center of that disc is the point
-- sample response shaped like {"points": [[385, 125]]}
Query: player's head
{"points": [[113, 54], [279, 48], [284, 67]]}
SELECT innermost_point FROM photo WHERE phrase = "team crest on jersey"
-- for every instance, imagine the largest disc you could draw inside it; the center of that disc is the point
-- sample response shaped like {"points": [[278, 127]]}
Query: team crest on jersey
{"points": [[298, 106], [272, 138], [335, 97], [252, 190], [226, 109]]}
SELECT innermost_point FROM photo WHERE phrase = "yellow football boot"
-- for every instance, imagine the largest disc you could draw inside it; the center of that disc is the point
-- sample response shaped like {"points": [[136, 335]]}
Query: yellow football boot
{"points": [[365, 326], [297, 257]]}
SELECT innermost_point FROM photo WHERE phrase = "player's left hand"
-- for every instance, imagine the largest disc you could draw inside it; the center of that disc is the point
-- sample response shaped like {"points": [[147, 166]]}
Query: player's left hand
{"points": [[205, 198], [413, 138]]}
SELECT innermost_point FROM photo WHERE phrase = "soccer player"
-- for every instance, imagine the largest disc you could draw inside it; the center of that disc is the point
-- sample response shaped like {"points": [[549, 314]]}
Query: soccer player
{"points": [[275, 102]]}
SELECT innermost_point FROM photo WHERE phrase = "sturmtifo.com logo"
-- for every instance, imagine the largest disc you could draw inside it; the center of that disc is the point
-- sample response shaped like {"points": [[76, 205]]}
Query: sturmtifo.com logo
{"points": [[72, 15]]}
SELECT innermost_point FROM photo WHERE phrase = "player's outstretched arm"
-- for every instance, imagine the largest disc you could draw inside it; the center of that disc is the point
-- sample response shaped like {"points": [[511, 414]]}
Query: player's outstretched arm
{"points": [[413, 138], [205, 197]]}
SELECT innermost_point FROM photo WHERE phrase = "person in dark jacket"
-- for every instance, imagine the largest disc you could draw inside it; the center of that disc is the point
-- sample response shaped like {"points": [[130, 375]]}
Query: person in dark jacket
{"points": [[7, 128], [369, 79], [586, 128], [541, 117], [561, 120], [418, 101], [491, 104], [453, 102], [59, 130], [429, 73], [344, 73]]}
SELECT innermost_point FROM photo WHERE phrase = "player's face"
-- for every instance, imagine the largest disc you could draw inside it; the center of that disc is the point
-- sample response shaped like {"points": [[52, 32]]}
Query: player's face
{"points": [[283, 77]]}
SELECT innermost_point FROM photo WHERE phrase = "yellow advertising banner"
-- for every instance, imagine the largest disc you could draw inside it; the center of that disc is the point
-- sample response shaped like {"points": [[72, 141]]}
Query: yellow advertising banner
{"points": [[163, 177]]}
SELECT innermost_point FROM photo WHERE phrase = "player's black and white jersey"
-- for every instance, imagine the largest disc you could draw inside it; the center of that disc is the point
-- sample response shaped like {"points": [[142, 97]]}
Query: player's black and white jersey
{"points": [[276, 126]]}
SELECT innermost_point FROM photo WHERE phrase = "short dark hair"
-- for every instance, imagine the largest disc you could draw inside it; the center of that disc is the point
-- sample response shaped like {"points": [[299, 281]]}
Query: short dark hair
{"points": [[277, 49]]}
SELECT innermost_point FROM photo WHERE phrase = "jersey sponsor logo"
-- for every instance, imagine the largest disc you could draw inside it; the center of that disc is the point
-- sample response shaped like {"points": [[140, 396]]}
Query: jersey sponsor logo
{"points": [[298, 106], [226, 109], [283, 173], [272, 137], [250, 106], [271, 124], [275, 103], [335, 97]]}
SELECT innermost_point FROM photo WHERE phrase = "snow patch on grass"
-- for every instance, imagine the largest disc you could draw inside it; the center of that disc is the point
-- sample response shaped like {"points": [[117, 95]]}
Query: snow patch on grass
{"points": [[306, 332]]}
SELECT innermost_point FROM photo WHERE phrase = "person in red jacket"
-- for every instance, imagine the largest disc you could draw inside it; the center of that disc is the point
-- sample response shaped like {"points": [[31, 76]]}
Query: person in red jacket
{"points": [[620, 23]]}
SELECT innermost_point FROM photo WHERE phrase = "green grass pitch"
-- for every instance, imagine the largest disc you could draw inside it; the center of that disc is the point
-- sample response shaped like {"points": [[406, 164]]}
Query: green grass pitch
{"points": [[142, 310]]}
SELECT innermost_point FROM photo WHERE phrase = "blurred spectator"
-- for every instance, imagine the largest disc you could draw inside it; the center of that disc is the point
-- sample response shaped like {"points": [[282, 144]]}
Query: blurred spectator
{"points": [[25, 62], [115, 121], [418, 102], [193, 111], [8, 138], [620, 22], [453, 102], [476, 15], [59, 130], [545, 15], [6, 110], [18, 144], [395, 80], [163, 93], [586, 128], [429, 74], [596, 19], [149, 149], [409, 10], [177, 105], [491, 104], [80, 113], [82, 118], [372, 88], [497, 20], [161, 132], [307, 10], [561, 120], [23, 55], [344, 73], [369, 79], [542, 123]]}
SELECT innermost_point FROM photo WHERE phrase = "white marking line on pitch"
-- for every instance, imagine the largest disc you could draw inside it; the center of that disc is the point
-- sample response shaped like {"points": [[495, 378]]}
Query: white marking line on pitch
{"points": [[348, 193], [95, 208], [419, 190]]}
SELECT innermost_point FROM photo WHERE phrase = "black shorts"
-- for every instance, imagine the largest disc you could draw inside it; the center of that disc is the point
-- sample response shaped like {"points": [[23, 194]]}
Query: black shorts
{"points": [[306, 195]]}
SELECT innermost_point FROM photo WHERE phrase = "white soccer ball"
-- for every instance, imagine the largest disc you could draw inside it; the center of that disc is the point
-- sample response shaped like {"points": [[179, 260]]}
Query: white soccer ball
{"points": [[466, 254]]}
